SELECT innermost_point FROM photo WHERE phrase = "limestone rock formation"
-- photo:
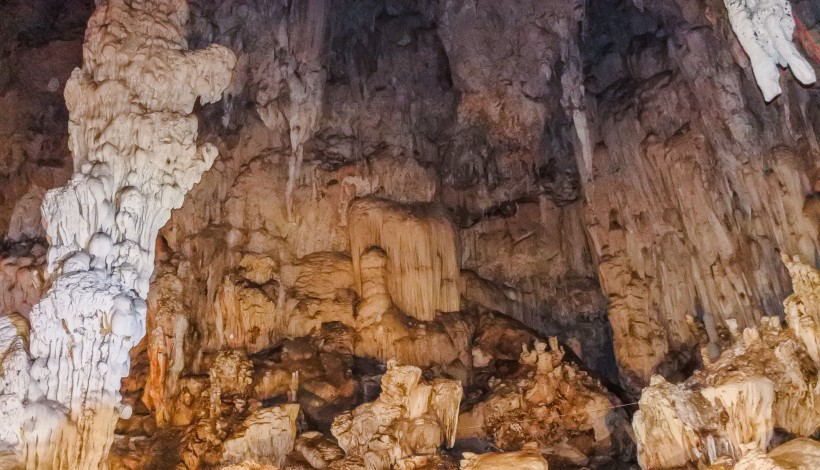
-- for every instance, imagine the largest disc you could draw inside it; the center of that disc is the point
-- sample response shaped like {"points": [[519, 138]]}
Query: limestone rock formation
{"points": [[800, 453], [387, 333], [249, 465], [21, 275], [688, 175], [527, 459], [548, 403], [766, 380], [267, 435], [14, 380], [135, 157], [435, 182], [409, 418], [317, 450], [420, 242]]}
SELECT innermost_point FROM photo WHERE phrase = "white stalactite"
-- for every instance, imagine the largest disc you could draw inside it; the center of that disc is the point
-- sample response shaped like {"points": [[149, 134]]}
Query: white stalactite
{"points": [[135, 156], [764, 29]]}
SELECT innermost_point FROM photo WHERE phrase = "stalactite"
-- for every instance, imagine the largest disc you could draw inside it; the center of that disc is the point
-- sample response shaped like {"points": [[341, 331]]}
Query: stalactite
{"points": [[135, 156], [764, 29]]}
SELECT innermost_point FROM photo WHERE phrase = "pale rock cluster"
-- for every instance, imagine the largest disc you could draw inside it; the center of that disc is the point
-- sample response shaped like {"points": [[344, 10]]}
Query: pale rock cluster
{"points": [[410, 418], [766, 380]]}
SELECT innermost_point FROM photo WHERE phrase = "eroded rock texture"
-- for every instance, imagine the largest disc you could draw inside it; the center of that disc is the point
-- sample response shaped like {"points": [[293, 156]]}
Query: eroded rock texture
{"points": [[697, 185]]}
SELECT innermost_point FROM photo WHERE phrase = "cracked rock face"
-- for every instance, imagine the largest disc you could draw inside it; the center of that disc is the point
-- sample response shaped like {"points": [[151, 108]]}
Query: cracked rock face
{"points": [[547, 209]]}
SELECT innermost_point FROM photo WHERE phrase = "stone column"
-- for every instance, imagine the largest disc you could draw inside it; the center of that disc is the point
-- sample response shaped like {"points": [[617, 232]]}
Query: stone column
{"points": [[133, 139]]}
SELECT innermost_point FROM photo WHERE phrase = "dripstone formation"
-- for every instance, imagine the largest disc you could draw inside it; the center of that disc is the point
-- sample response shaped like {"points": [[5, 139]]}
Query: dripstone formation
{"points": [[423, 234]]}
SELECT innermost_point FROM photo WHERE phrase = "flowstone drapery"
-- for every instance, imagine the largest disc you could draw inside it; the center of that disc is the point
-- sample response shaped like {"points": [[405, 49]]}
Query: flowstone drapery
{"points": [[133, 139]]}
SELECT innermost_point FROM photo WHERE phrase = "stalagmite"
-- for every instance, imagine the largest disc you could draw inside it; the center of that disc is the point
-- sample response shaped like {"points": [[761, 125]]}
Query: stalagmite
{"points": [[764, 29], [166, 344], [135, 156], [526, 459], [766, 381], [409, 418], [267, 436]]}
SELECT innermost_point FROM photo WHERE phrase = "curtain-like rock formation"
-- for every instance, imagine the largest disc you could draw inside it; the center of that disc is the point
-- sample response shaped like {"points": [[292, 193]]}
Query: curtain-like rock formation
{"points": [[422, 254]]}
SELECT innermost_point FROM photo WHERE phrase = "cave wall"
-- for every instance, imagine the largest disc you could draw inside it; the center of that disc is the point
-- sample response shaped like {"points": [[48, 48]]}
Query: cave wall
{"points": [[698, 185], [688, 184]]}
